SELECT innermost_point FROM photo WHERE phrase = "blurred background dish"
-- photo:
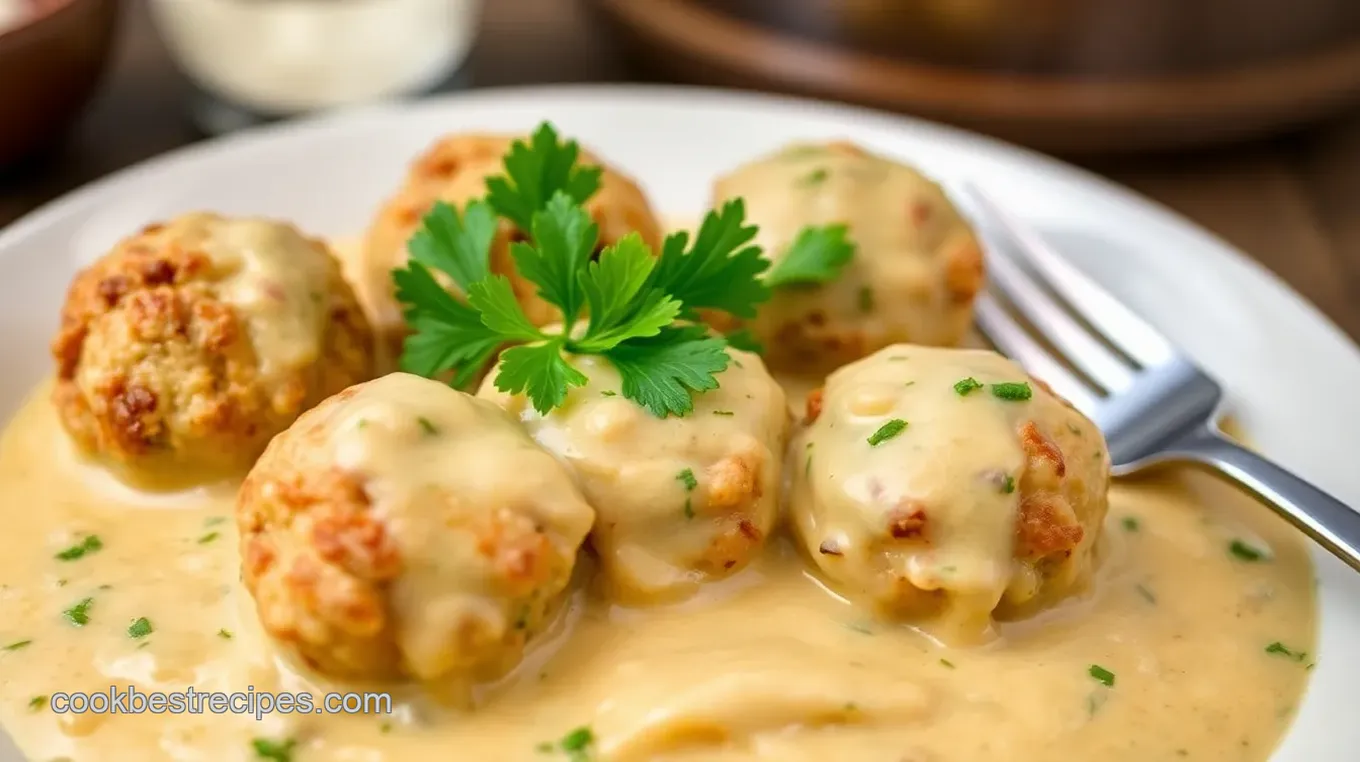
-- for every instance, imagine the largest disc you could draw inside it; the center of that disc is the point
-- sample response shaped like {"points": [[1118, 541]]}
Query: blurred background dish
{"points": [[51, 55], [1059, 75], [310, 55]]}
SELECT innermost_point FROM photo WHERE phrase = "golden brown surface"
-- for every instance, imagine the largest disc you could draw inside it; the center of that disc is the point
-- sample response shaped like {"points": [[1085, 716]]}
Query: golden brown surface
{"points": [[156, 368], [402, 529]]}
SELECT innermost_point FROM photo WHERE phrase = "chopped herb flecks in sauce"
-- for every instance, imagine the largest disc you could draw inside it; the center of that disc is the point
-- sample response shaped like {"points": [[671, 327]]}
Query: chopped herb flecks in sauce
{"points": [[887, 431], [1103, 676], [89, 544]]}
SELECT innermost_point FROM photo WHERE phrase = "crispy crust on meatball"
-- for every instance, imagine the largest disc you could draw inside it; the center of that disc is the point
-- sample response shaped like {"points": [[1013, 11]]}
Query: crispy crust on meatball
{"points": [[156, 367], [454, 170]]}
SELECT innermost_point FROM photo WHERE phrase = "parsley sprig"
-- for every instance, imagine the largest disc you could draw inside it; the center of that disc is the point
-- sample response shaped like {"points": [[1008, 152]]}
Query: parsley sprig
{"points": [[635, 308]]}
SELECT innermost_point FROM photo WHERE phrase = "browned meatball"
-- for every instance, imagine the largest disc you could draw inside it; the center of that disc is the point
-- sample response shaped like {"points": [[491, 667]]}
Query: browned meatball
{"points": [[192, 343], [922, 487], [917, 264], [402, 529], [454, 170]]}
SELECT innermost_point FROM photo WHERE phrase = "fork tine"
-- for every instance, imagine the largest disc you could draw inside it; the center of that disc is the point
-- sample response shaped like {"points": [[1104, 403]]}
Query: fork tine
{"points": [[1125, 330], [1011, 338], [1065, 334]]}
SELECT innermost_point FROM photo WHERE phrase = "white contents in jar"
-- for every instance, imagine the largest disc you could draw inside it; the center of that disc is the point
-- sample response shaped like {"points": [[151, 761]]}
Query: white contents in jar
{"points": [[291, 56]]}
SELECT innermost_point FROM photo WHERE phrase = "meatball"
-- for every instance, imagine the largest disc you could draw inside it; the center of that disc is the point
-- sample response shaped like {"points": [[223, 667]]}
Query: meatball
{"points": [[681, 500], [403, 529], [454, 170], [916, 269], [946, 485], [190, 344]]}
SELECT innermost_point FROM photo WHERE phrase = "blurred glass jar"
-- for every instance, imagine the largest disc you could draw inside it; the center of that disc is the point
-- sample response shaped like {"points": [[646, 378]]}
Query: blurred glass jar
{"points": [[264, 59]]}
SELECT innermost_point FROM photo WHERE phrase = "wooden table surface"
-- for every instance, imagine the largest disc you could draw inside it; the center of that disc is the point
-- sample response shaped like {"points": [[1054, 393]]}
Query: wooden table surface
{"points": [[1290, 202]]}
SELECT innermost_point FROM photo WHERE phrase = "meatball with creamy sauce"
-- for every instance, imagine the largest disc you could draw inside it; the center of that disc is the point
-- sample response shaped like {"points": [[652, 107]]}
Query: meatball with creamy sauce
{"points": [[917, 264], [189, 345], [455, 170], [403, 529], [948, 487], [681, 500]]}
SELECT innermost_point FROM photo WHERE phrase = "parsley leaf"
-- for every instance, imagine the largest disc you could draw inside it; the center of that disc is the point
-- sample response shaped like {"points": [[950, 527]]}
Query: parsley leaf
{"points": [[444, 335], [1101, 675], [564, 240], [540, 372], [457, 246], [536, 172], [89, 544], [619, 309], [720, 271], [501, 313], [816, 256], [276, 751], [660, 372], [744, 340], [140, 628]]}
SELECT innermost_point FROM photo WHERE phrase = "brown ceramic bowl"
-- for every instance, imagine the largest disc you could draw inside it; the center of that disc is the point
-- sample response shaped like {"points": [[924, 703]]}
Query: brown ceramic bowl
{"points": [[1069, 76], [49, 66]]}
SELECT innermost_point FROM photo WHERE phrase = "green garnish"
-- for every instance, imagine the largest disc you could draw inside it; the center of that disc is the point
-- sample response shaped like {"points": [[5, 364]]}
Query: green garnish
{"points": [[887, 431], [224, 634], [966, 386], [576, 744], [207, 538], [686, 477], [743, 339], [1130, 523], [1014, 392], [947, 663], [213, 521], [36, 703], [815, 177], [1103, 676], [79, 614], [277, 751], [536, 172], [16, 645], [1146, 593], [866, 300], [1245, 552], [426, 426], [89, 544], [816, 256], [727, 413], [609, 393], [1279, 648], [1008, 486], [140, 628]]}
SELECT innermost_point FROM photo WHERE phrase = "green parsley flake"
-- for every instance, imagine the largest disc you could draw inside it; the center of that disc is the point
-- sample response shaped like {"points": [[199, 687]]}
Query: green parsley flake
{"points": [[609, 393], [1008, 486], [89, 544], [1130, 523], [224, 634], [813, 178], [1279, 648], [1013, 392], [887, 431], [427, 426], [36, 703], [16, 645], [947, 663], [816, 256], [140, 628], [207, 538], [1103, 676], [275, 751], [725, 413], [1244, 552], [79, 614], [967, 386], [686, 477], [1146, 593], [866, 300], [578, 739]]}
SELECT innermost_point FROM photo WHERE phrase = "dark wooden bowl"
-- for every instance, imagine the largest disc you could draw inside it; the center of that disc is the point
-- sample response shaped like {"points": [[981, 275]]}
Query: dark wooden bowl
{"points": [[1068, 76], [49, 67]]}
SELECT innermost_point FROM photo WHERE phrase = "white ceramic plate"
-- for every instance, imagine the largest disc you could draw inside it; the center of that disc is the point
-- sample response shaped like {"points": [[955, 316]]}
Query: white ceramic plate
{"points": [[1292, 376]]}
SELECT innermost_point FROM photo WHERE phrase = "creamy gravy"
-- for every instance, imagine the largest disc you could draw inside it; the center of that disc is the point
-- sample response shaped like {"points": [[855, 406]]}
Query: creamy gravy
{"points": [[766, 665]]}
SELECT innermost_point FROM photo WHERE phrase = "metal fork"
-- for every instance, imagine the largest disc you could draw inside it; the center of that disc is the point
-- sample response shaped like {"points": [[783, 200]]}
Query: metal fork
{"points": [[1153, 404]]}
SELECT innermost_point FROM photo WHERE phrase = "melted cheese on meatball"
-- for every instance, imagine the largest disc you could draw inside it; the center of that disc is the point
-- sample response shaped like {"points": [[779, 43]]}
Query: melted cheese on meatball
{"points": [[403, 528], [680, 499], [938, 482], [916, 268]]}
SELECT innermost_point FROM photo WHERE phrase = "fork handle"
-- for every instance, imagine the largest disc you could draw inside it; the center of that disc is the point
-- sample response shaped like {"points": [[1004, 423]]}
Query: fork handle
{"points": [[1324, 518]]}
